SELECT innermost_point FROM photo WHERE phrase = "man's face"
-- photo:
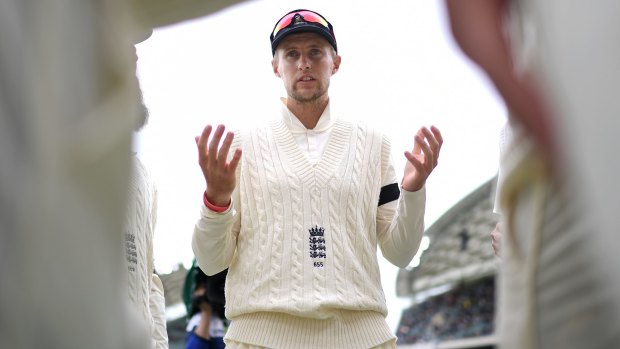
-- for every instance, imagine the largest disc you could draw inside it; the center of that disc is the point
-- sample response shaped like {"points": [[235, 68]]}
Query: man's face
{"points": [[305, 62]]}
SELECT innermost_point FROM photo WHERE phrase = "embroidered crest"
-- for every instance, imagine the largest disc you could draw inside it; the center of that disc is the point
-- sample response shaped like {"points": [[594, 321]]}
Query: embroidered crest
{"points": [[317, 245], [131, 251]]}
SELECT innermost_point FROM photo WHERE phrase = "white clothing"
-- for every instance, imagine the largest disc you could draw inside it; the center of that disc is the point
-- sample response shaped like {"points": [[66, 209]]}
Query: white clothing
{"points": [[300, 239], [391, 344], [555, 288], [67, 114], [145, 289]]}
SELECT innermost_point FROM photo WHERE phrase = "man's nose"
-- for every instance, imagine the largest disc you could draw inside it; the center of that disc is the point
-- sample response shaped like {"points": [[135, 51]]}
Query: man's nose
{"points": [[304, 63]]}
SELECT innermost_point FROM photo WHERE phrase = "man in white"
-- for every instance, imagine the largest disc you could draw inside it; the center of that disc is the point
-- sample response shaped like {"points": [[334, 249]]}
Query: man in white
{"points": [[299, 220]]}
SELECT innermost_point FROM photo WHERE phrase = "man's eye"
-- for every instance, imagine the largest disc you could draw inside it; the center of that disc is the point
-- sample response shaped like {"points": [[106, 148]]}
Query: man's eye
{"points": [[291, 54]]}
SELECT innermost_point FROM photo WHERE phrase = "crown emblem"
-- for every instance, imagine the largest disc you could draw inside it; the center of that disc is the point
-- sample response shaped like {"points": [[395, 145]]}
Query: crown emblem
{"points": [[317, 246], [317, 231]]}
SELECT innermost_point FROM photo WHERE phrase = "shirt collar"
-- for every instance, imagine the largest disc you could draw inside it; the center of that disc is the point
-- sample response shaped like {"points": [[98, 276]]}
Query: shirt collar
{"points": [[295, 126]]}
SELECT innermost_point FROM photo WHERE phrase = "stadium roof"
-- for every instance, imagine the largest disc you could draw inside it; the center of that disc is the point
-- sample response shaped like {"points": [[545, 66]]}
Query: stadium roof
{"points": [[460, 246]]}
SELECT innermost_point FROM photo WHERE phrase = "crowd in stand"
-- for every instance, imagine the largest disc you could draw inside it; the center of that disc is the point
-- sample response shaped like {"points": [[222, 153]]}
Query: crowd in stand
{"points": [[465, 311]]}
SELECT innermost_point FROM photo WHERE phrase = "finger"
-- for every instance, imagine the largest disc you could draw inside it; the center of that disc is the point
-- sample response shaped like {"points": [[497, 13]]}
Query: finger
{"points": [[202, 143], [439, 139], [416, 147], [223, 153], [434, 145], [415, 162], [204, 136], [214, 144], [495, 249], [430, 138], [232, 166], [429, 157], [437, 134]]}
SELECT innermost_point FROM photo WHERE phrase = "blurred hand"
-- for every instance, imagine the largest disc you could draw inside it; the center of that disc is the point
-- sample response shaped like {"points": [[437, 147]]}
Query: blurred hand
{"points": [[496, 237]]}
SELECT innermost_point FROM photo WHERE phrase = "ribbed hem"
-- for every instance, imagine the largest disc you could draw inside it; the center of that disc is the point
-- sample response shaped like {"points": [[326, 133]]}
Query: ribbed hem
{"points": [[348, 330]]}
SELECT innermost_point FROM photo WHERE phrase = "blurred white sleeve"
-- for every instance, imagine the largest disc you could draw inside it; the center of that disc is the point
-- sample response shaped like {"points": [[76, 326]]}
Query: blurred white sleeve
{"points": [[157, 304]]}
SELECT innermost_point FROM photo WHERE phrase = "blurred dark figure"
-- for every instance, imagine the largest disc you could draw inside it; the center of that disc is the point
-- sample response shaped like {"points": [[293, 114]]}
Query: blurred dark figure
{"points": [[205, 302]]}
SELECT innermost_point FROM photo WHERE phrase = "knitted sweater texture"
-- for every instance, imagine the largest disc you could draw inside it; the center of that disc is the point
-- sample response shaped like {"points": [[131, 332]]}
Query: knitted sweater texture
{"points": [[145, 289], [300, 240]]}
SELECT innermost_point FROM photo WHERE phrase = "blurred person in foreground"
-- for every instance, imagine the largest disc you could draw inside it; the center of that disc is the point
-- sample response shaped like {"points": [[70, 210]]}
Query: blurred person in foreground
{"points": [[68, 109], [145, 289], [298, 219], [558, 283]]}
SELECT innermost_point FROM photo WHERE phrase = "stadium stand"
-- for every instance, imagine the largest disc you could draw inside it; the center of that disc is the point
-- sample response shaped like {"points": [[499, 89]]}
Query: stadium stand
{"points": [[453, 288]]}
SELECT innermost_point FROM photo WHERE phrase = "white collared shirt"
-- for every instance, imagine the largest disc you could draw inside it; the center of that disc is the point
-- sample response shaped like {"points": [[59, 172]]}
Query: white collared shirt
{"points": [[311, 142]]}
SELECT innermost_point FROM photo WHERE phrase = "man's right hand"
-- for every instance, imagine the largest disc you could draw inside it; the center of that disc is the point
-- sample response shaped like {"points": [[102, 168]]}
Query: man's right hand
{"points": [[219, 174]]}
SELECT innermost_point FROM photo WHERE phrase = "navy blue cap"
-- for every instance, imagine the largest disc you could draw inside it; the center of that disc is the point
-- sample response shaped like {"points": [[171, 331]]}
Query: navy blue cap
{"points": [[300, 21]]}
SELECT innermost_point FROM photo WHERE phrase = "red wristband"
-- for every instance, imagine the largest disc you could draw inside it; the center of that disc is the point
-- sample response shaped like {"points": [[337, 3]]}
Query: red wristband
{"points": [[212, 207]]}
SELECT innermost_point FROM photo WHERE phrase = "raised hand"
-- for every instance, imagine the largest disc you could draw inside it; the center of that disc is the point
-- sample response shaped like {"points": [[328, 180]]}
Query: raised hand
{"points": [[219, 174], [423, 159]]}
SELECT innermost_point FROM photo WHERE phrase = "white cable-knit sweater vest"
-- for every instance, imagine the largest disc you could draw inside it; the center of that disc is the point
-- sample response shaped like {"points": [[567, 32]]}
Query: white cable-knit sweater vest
{"points": [[307, 232], [301, 240]]}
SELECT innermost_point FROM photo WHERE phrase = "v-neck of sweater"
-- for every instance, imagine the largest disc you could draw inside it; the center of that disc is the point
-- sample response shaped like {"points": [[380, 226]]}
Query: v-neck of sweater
{"points": [[340, 131]]}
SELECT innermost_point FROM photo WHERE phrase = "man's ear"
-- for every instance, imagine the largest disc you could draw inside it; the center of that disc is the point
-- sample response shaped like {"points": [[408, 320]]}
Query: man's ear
{"points": [[274, 65], [336, 65]]}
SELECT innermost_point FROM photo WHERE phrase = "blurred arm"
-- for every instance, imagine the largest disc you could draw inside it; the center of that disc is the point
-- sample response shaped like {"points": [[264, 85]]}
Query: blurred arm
{"points": [[477, 26]]}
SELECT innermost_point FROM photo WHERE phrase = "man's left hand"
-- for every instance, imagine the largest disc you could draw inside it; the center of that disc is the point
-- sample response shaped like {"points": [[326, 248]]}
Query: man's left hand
{"points": [[423, 159]]}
